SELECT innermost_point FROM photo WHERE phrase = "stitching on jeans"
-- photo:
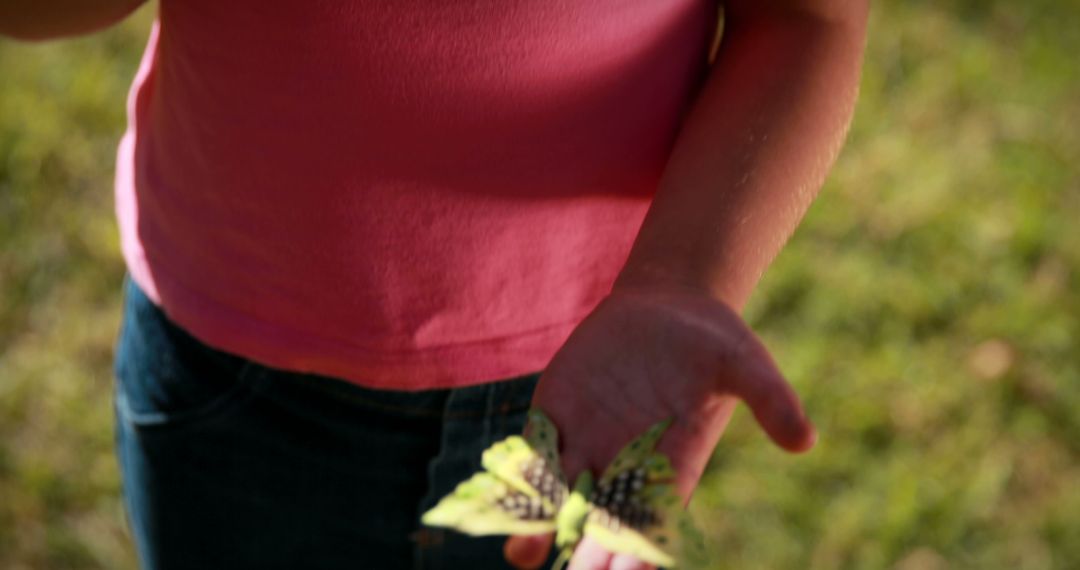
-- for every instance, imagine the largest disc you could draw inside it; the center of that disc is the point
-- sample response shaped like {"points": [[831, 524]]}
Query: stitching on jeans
{"points": [[236, 395]]}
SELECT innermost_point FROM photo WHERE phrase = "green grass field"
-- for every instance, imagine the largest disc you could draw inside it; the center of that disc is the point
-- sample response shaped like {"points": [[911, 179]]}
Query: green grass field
{"points": [[928, 310]]}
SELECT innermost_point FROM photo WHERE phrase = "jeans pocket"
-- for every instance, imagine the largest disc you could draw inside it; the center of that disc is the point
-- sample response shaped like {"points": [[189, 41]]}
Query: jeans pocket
{"points": [[167, 379]]}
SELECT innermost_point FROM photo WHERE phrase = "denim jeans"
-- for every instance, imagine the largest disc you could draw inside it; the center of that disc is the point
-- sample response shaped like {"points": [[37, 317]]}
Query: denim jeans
{"points": [[230, 464]]}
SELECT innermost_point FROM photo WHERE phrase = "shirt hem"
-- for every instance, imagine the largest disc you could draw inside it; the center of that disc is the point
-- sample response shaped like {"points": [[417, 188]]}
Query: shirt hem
{"points": [[445, 366]]}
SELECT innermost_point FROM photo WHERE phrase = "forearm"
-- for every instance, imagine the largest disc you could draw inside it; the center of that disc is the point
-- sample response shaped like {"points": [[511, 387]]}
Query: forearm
{"points": [[47, 19], [752, 153]]}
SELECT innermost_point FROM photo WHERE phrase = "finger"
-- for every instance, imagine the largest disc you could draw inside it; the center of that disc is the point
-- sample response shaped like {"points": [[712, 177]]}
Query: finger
{"points": [[528, 552], [627, 562], [590, 556], [756, 380]]}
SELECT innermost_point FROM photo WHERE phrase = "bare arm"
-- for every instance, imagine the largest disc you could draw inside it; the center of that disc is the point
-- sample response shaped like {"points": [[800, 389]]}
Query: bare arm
{"points": [[754, 149], [668, 341], [34, 20]]}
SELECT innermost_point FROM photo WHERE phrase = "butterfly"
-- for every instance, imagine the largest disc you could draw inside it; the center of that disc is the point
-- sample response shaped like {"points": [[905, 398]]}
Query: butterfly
{"points": [[632, 508]]}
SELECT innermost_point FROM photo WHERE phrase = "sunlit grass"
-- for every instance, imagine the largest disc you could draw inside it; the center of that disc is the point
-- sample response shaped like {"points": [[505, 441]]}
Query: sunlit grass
{"points": [[927, 310]]}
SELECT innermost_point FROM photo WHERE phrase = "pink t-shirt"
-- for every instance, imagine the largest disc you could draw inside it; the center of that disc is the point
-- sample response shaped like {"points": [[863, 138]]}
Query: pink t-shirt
{"points": [[402, 193]]}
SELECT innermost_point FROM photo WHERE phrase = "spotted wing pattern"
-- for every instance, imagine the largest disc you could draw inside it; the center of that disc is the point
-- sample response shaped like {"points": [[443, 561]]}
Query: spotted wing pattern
{"points": [[520, 490], [547, 494], [634, 504], [632, 508], [484, 505], [543, 437], [624, 501]]}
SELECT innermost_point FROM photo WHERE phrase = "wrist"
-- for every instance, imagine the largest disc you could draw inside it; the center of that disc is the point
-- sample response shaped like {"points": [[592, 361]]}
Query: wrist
{"points": [[671, 304], [657, 282]]}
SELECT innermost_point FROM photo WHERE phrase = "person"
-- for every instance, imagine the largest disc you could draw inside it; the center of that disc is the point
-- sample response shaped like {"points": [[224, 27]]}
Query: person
{"points": [[364, 238]]}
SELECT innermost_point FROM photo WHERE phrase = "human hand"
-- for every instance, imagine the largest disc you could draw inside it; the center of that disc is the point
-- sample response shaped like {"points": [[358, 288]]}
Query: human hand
{"points": [[642, 356]]}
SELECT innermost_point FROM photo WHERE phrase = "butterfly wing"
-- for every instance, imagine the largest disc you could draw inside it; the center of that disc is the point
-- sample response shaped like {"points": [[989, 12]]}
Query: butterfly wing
{"points": [[484, 504], [531, 463], [520, 491], [635, 509], [544, 438], [638, 452], [635, 513], [669, 538]]}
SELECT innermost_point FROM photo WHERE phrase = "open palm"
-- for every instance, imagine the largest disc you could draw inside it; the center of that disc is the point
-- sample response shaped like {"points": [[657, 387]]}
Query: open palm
{"points": [[642, 356]]}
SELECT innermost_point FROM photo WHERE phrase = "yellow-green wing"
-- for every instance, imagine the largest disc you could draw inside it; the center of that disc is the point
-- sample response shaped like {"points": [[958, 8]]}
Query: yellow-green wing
{"points": [[639, 452], [635, 511], [531, 464], [634, 507], [484, 505], [520, 491], [543, 437], [676, 539]]}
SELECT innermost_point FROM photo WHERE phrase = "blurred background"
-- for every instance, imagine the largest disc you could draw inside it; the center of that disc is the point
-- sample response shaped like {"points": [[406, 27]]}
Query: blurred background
{"points": [[928, 309]]}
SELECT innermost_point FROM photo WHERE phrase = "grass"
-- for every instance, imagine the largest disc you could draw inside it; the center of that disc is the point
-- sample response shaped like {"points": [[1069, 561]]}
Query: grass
{"points": [[927, 310]]}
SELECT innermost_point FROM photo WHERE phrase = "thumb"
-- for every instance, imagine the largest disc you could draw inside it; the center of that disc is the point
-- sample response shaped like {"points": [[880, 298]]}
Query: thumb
{"points": [[756, 380], [528, 552]]}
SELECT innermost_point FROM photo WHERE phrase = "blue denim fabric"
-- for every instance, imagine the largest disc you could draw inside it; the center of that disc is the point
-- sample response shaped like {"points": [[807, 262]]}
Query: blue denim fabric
{"points": [[230, 464]]}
